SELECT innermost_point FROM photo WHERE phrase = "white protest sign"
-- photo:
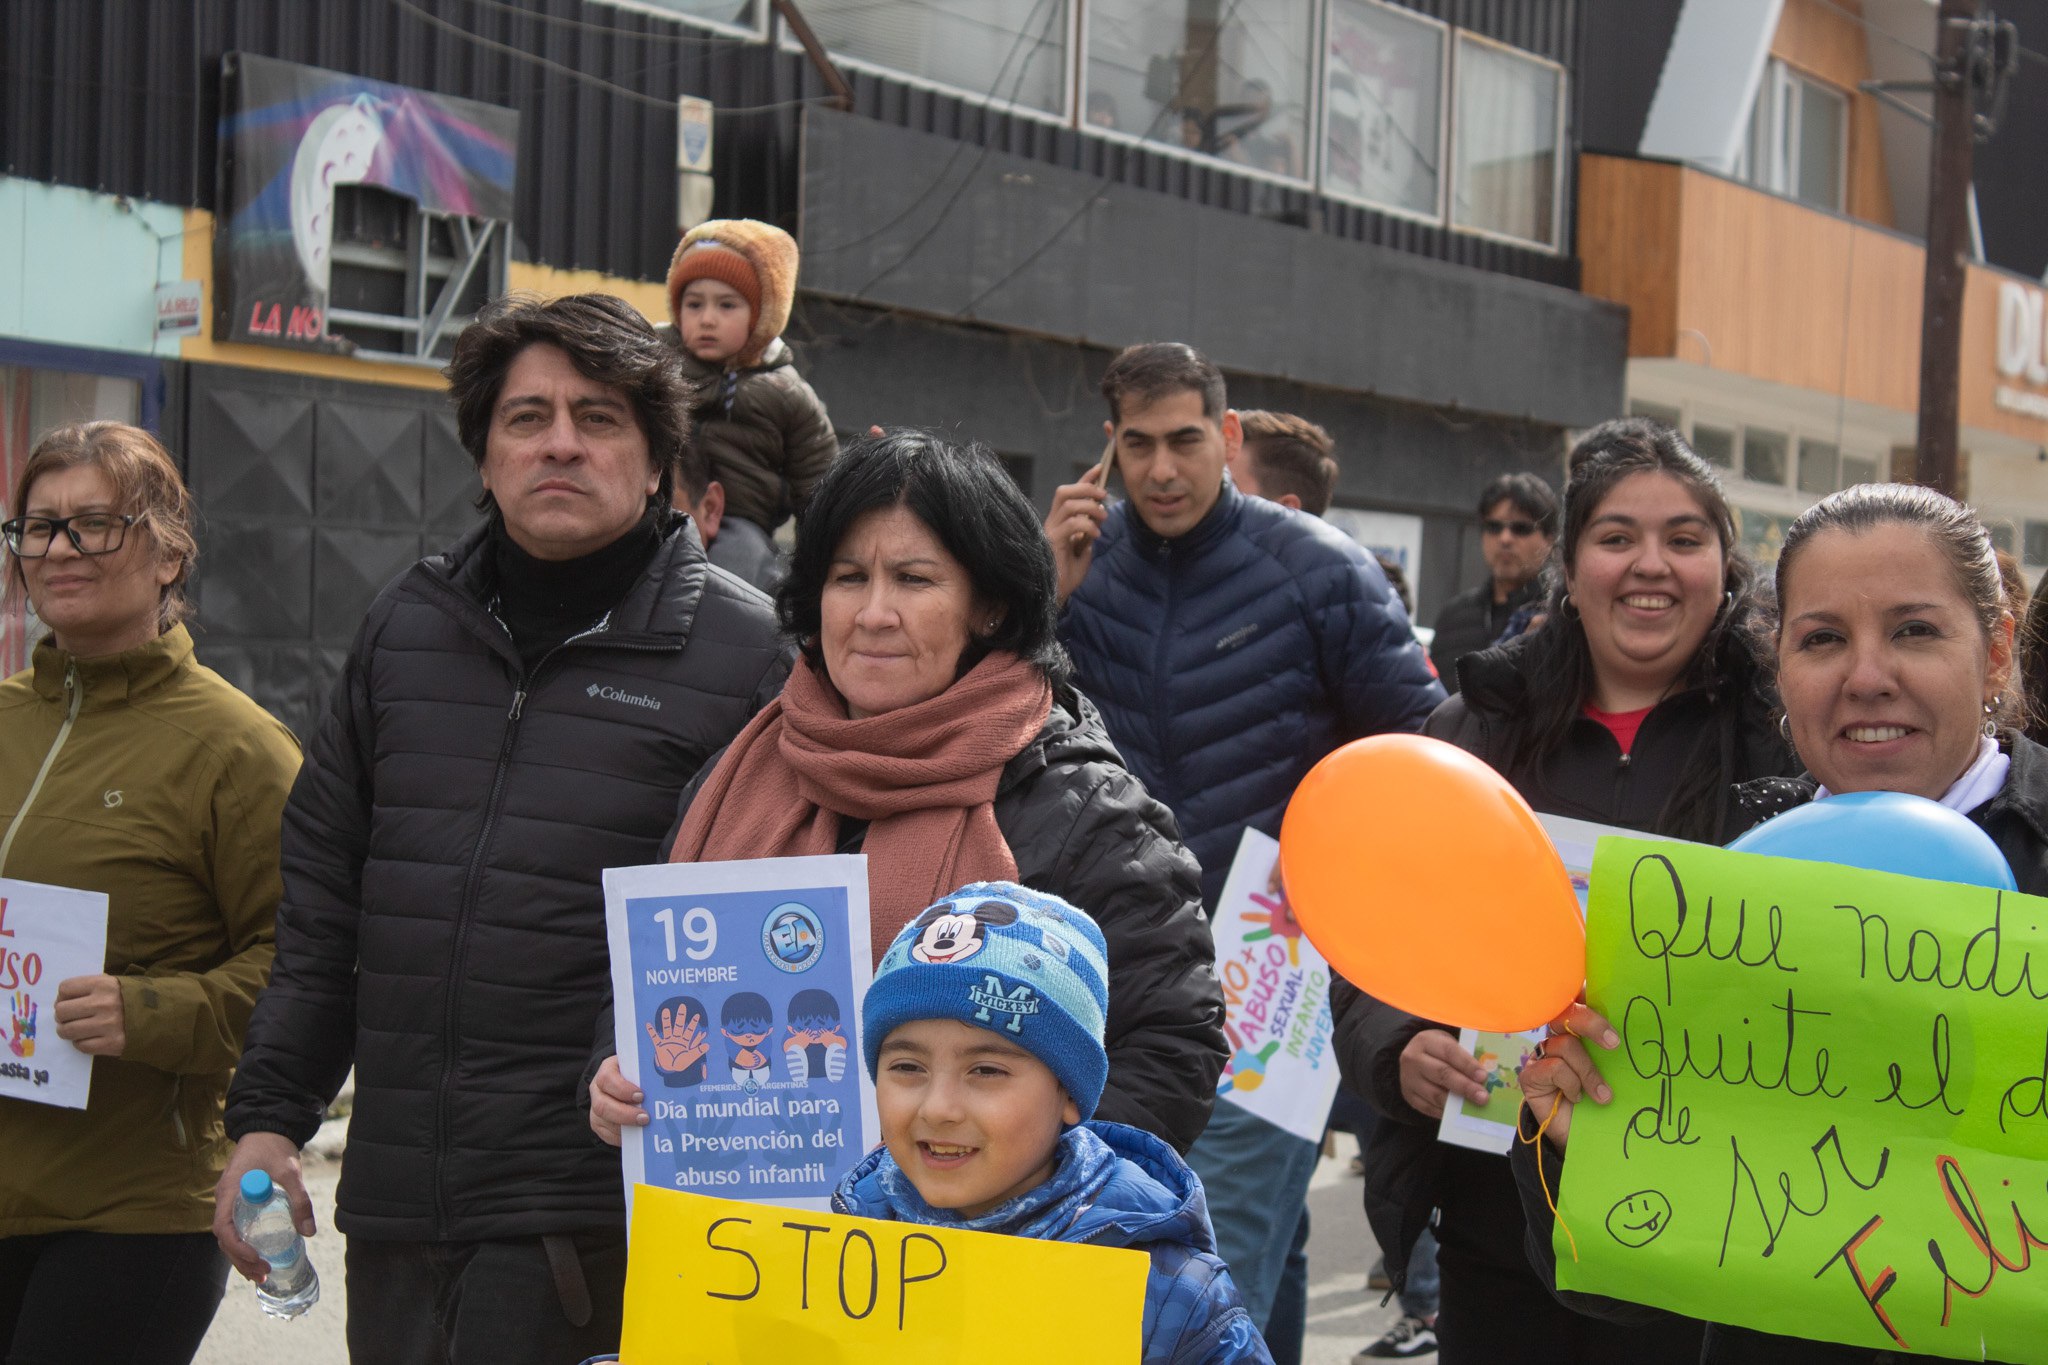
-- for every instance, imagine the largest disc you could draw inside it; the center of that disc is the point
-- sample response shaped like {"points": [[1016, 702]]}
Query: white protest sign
{"points": [[48, 934], [1276, 1000], [736, 994]]}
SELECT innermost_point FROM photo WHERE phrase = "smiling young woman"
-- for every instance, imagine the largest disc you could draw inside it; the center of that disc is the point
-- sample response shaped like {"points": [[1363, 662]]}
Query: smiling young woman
{"points": [[1894, 657], [1640, 703]]}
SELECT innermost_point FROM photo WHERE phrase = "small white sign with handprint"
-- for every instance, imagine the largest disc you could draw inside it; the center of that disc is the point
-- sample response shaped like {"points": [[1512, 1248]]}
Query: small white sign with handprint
{"points": [[1276, 998], [736, 1007], [48, 935]]}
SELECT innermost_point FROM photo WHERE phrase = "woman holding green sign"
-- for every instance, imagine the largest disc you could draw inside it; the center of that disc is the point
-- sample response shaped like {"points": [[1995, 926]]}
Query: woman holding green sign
{"points": [[1894, 657], [1640, 704]]}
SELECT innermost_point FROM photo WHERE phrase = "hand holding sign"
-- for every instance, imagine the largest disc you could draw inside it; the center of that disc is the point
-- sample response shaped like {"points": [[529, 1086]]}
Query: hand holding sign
{"points": [[90, 1017], [1427, 882]]}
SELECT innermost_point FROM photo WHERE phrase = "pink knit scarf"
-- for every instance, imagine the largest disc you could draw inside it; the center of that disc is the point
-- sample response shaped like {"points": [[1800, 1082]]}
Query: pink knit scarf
{"points": [[923, 776]]}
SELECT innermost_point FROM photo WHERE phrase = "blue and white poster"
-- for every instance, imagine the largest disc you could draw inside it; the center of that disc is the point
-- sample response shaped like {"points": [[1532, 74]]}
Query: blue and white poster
{"points": [[736, 997]]}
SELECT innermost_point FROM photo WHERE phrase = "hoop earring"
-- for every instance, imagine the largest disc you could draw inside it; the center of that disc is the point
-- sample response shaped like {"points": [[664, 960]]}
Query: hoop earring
{"points": [[1991, 716], [1567, 608], [1785, 730], [1727, 601]]}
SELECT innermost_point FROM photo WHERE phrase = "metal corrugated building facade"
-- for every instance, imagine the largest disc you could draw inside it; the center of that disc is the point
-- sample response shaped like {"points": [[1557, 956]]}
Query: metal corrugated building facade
{"points": [[123, 96]]}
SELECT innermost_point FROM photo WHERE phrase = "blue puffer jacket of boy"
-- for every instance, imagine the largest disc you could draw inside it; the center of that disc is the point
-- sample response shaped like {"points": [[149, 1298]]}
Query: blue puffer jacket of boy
{"points": [[1113, 1186]]}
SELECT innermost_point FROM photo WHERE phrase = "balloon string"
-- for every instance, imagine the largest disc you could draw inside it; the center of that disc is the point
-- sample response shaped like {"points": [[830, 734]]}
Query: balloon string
{"points": [[1544, 1181]]}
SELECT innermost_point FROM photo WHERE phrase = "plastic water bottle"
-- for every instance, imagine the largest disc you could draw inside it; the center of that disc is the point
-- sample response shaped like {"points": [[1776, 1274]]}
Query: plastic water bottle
{"points": [[263, 1217]]}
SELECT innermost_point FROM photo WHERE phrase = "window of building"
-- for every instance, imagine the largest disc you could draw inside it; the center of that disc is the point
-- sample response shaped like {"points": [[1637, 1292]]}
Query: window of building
{"points": [[1715, 445], [1656, 412], [1383, 87], [1009, 51], [1763, 455], [1819, 466], [1798, 138], [2035, 538], [2002, 537], [1505, 164], [1231, 81], [1858, 469], [744, 15], [406, 281]]}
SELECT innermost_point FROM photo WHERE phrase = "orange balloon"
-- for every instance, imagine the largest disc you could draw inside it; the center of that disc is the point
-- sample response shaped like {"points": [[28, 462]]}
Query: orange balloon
{"points": [[1426, 881]]}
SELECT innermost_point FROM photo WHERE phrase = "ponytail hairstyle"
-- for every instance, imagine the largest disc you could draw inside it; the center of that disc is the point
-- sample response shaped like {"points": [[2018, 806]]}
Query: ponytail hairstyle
{"points": [[1950, 527]]}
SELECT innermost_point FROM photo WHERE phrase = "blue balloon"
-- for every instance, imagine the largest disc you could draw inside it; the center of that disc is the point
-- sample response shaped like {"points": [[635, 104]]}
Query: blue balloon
{"points": [[1884, 832]]}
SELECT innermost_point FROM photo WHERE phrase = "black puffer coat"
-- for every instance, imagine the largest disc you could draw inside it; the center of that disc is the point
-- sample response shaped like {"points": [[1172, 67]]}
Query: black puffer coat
{"points": [[1471, 622], [1082, 827], [2017, 821], [443, 926], [1589, 778]]}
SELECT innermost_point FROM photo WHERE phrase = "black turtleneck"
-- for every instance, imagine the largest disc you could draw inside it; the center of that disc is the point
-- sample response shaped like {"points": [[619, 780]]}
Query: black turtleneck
{"points": [[545, 601]]}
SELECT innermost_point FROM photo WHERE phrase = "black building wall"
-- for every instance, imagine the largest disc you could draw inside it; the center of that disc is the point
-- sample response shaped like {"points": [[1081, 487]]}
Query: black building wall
{"points": [[123, 96]]}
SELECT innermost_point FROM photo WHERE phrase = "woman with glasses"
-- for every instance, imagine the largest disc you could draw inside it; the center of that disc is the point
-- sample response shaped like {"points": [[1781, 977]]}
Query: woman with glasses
{"points": [[1640, 704], [127, 768]]}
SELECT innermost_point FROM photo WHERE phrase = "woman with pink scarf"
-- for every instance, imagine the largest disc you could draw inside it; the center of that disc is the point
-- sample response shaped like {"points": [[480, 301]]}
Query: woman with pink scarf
{"points": [[930, 725]]}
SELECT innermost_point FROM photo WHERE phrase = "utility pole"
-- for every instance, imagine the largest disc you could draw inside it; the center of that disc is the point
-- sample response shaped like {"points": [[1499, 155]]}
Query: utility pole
{"points": [[1948, 237]]}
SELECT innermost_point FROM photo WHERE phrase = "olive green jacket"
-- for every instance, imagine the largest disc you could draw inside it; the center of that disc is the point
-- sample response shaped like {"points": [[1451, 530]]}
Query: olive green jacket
{"points": [[146, 776]]}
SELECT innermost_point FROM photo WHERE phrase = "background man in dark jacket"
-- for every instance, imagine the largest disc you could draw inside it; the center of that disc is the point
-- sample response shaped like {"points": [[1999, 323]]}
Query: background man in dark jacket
{"points": [[516, 715], [1230, 643], [1518, 525]]}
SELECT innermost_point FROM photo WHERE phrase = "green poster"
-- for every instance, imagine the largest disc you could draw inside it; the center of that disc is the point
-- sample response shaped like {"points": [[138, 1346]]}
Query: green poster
{"points": [[1830, 1112]]}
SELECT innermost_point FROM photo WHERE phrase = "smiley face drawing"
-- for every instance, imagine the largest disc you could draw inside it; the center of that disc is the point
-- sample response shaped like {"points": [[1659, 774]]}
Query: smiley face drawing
{"points": [[1637, 1220]]}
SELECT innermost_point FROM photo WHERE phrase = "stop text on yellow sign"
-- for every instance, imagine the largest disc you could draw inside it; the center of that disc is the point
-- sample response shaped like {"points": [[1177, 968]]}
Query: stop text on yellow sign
{"points": [[719, 1282]]}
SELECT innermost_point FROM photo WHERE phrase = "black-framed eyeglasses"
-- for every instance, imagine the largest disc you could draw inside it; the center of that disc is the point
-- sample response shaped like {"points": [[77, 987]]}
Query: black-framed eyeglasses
{"points": [[1517, 527], [90, 533]]}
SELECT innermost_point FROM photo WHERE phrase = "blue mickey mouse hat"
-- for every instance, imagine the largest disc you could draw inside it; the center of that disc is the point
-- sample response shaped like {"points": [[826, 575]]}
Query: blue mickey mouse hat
{"points": [[1002, 957]]}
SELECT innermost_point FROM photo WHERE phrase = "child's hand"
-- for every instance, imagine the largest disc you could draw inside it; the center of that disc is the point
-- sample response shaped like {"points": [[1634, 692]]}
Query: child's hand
{"points": [[680, 1043]]}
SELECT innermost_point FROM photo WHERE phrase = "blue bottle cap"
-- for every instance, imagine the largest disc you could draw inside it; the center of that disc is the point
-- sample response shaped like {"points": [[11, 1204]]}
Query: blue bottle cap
{"points": [[256, 1186]]}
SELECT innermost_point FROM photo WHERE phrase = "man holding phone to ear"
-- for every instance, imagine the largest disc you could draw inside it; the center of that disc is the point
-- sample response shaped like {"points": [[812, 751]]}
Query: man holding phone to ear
{"points": [[1230, 643]]}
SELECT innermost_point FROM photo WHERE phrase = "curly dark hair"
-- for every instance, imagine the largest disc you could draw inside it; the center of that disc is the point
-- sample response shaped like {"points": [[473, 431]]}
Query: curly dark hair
{"points": [[968, 500], [607, 340], [1728, 661]]}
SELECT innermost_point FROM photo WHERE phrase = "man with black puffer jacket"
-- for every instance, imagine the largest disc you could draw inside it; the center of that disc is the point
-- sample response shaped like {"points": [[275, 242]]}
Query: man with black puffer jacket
{"points": [[517, 714], [1231, 643]]}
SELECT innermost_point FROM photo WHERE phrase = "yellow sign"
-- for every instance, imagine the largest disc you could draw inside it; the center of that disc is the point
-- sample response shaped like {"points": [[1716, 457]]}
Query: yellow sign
{"points": [[717, 1282]]}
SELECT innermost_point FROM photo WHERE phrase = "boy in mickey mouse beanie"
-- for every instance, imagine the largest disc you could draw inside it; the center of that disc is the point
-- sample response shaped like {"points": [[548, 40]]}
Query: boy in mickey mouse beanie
{"points": [[983, 1031], [731, 286]]}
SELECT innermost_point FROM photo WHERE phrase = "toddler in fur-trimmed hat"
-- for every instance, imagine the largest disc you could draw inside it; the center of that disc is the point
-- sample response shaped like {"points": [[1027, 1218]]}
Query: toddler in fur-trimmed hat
{"points": [[983, 1031], [730, 289]]}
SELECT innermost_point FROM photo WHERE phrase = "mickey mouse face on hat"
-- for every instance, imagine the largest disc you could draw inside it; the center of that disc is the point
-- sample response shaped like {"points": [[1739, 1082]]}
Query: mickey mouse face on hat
{"points": [[948, 934]]}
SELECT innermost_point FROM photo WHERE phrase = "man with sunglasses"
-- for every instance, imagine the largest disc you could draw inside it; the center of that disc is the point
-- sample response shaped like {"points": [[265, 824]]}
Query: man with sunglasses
{"points": [[1517, 526]]}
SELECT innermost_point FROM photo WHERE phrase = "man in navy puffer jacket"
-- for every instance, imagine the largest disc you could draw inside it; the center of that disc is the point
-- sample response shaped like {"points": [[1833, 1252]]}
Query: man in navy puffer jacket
{"points": [[1230, 643]]}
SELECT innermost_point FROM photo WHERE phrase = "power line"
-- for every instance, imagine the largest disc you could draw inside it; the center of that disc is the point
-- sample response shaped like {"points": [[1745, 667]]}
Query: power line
{"points": [[1102, 181], [585, 77], [1883, 33], [1024, 35], [680, 36]]}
